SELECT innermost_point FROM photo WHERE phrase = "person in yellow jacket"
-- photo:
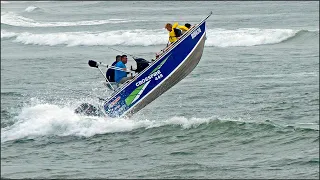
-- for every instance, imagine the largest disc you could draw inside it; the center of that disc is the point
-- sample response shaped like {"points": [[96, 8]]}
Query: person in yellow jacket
{"points": [[174, 33], [184, 28]]}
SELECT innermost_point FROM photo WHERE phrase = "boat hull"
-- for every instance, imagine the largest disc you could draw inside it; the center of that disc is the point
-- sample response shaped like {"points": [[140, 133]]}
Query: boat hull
{"points": [[186, 68], [170, 68]]}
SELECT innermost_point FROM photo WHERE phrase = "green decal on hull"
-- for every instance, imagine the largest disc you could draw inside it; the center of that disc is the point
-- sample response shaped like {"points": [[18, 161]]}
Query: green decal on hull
{"points": [[159, 66], [134, 93]]}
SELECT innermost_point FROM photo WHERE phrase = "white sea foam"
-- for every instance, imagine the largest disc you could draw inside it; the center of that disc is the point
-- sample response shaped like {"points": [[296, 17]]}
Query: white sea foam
{"points": [[30, 9], [247, 36], [126, 37], [42, 119], [14, 19], [6, 34], [142, 37], [314, 30], [47, 119]]}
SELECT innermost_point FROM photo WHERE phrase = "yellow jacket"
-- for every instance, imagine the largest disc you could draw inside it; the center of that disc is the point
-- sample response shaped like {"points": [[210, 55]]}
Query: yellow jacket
{"points": [[183, 29], [172, 35]]}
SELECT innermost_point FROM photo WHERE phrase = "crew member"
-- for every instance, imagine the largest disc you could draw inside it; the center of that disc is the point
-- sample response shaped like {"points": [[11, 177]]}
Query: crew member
{"points": [[173, 32], [121, 76], [110, 72]]}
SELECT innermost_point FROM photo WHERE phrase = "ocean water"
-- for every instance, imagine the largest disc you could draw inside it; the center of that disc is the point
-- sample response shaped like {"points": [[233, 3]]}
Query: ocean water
{"points": [[250, 109]]}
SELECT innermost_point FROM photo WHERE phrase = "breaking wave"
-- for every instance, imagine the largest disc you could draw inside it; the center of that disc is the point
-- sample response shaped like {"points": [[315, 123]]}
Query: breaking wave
{"points": [[48, 119], [120, 37], [6, 34], [30, 9], [248, 36], [44, 119], [142, 37], [13, 19]]}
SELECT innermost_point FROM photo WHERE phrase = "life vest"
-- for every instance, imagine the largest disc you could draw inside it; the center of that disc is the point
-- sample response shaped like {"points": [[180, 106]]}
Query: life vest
{"points": [[177, 31], [183, 29], [172, 34]]}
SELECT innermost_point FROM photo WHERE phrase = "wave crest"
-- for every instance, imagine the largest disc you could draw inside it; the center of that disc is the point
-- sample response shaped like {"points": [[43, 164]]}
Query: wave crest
{"points": [[13, 19], [142, 37], [45, 119], [30, 8], [6, 34], [48, 119], [248, 36]]}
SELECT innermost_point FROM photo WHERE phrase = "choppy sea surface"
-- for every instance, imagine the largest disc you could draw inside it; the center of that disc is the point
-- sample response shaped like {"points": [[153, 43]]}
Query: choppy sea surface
{"points": [[250, 109]]}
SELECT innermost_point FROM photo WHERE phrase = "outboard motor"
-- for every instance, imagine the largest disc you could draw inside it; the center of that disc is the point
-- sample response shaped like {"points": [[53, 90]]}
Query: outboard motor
{"points": [[141, 64]]}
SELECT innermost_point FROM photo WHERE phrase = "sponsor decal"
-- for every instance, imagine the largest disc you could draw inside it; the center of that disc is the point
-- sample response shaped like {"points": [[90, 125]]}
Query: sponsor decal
{"points": [[159, 77], [154, 73], [114, 102], [148, 78], [195, 33], [142, 84], [136, 94]]}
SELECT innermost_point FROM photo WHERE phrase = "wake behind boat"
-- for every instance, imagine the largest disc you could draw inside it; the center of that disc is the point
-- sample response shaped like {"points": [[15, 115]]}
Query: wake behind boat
{"points": [[155, 77]]}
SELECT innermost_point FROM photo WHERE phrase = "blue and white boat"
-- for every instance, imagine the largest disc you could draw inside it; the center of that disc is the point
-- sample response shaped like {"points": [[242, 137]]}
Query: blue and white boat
{"points": [[160, 75]]}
